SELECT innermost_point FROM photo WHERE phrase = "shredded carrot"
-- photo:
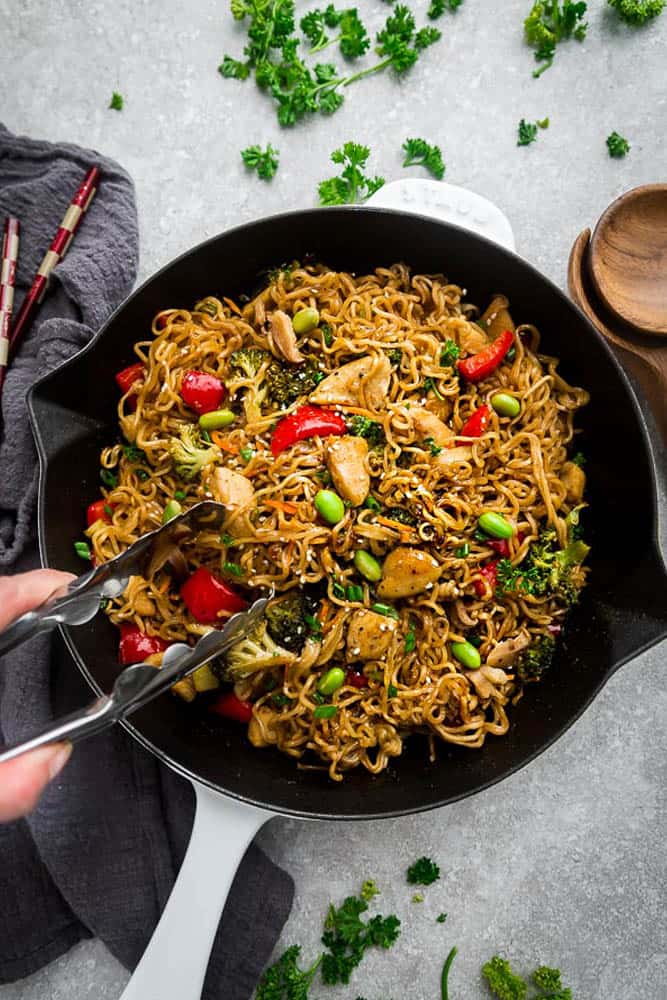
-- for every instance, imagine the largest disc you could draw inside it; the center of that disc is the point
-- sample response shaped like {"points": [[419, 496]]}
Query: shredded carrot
{"points": [[224, 443], [164, 586], [233, 306], [362, 411], [285, 505], [389, 523]]}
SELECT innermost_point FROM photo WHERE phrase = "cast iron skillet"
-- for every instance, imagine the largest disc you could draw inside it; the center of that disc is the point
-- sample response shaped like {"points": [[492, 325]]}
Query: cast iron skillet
{"points": [[622, 612]]}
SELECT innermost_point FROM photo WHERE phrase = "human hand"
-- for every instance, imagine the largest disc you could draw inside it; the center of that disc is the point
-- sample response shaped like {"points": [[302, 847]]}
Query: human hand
{"points": [[23, 779]]}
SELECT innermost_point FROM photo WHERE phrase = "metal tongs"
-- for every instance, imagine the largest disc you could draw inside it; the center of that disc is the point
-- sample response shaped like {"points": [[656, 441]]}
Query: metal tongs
{"points": [[138, 684]]}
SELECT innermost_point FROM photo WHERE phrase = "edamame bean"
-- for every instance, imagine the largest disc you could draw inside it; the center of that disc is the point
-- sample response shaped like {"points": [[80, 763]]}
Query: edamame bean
{"points": [[329, 506], [368, 565], [331, 681], [216, 419], [466, 654], [495, 525], [305, 320], [325, 711], [506, 405], [172, 510]]}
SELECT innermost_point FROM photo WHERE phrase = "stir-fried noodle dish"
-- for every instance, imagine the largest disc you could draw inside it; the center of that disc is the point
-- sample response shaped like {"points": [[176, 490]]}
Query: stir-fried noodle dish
{"points": [[397, 463]]}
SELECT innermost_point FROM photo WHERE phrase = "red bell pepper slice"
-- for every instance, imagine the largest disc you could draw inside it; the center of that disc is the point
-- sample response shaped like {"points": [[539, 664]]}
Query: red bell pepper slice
{"points": [[356, 679], [308, 421], [99, 511], [489, 575], [128, 376], [205, 595], [479, 366], [476, 424], [502, 545], [135, 646], [202, 392], [231, 707]]}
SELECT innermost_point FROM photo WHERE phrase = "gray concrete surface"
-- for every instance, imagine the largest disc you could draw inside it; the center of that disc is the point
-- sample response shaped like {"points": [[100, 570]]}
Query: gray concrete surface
{"points": [[564, 862]]}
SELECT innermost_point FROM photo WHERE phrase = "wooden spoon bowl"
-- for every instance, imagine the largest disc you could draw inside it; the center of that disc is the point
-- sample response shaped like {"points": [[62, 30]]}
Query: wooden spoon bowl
{"points": [[627, 259]]}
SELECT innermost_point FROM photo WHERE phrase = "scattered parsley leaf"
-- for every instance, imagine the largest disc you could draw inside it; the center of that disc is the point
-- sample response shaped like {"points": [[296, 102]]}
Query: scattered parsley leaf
{"points": [[550, 22], [637, 12], [109, 478], [284, 980], [502, 981], [617, 145], [347, 937], [418, 152], [116, 102], [410, 639], [527, 133], [423, 872], [233, 69], [352, 185], [441, 918], [264, 162], [542, 123], [438, 7], [579, 459], [418, 898], [450, 354]]}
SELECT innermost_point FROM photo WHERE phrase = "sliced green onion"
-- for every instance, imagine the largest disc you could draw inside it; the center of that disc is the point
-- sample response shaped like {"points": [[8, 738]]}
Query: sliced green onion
{"points": [[354, 592], [179, 494], [325, 712], [372, 504], [463, 551], [337, 589], [392, 691], [246, 454], [410, 640], [385, 609], [233, 568], [109, 478]]}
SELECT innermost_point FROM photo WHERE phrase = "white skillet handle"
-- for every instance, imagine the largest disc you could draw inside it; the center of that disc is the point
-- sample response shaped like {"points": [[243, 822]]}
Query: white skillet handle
{"points": [[448, 203], [174, 964]]}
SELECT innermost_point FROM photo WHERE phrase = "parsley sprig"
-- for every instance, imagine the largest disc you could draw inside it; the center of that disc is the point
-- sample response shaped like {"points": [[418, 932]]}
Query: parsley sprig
{"points": [[298, 89], [637, 12], [265, 162], [617, 145], [420, 153], [527, 131], [352, 185], [551, 22]]}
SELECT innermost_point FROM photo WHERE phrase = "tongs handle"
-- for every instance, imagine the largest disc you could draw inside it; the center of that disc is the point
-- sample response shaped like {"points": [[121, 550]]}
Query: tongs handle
{"points": [[138, 684]]}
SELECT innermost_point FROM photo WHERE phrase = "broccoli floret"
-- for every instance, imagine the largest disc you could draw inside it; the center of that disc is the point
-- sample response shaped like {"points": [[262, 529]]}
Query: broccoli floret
{"points": [[291, 619], [286, 384], [256, 652], [549, 569], [637, 11], [533, 661], [366, 428], [401, 515], [423, 872], [187, 453], [249, 360], [549, 980], [503, 983]]}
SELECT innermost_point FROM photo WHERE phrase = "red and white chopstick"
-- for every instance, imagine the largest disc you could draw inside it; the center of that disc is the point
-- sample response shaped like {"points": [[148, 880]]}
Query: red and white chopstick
{"points": [[61, 241], [10, 253]]}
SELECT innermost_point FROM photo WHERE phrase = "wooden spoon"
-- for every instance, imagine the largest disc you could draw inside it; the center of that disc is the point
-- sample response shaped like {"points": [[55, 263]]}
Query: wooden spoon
{"points": [[628, 259], [644, 356]]}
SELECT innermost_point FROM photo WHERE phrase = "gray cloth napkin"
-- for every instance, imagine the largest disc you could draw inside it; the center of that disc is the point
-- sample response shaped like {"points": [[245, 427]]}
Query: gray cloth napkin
{"points": [[100, 853]]}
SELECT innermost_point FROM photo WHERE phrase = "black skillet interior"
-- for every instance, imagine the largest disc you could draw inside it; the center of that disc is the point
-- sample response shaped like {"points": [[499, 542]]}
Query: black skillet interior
{"points": [[622, 612]]}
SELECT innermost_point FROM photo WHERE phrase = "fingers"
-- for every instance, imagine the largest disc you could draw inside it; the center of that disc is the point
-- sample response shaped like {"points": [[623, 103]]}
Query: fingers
{"points": [[26, 591], [23, 780]]}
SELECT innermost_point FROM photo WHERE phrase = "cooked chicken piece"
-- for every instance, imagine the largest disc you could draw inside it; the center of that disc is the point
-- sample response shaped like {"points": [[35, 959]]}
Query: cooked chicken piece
{"points": [[369, 635], [427, 425], [441, 407], [451, 456], [407, 571], [261, 732], [260, 313], [347, 462], [472, 339], [574, 480], [231, 488], [282, 338], [363, 382], [506, 652], [496, 319], [144, 605], [486, 680]]}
